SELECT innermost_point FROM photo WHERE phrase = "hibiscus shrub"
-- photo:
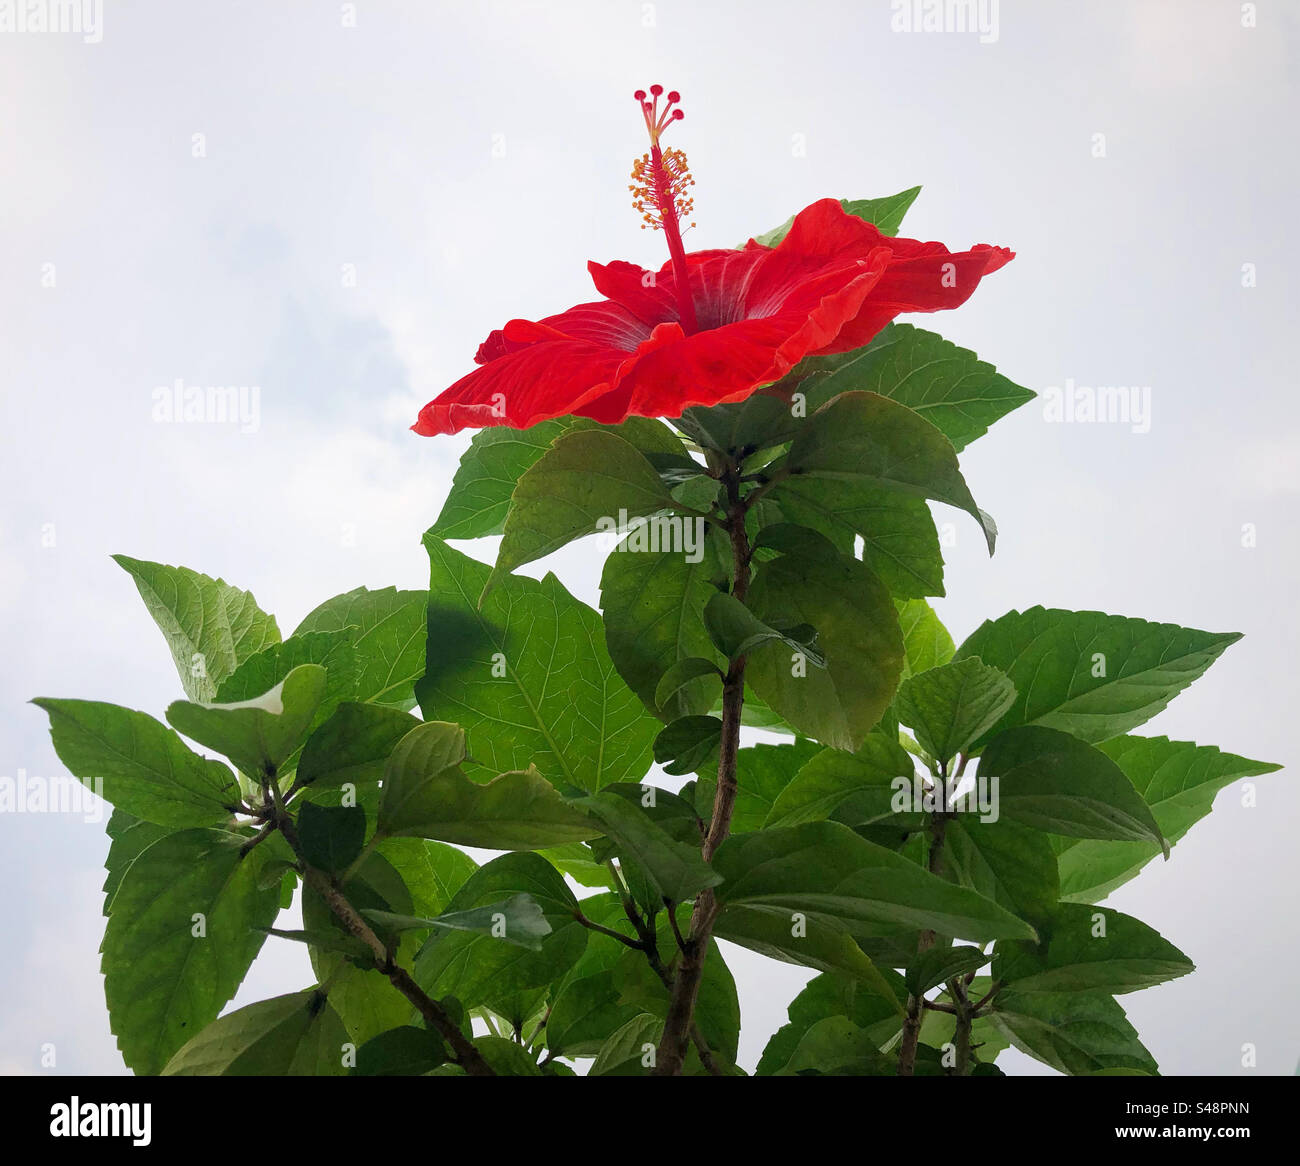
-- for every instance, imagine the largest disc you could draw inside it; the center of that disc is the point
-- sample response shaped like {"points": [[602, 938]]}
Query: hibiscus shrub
{"points": [[929, 833]]}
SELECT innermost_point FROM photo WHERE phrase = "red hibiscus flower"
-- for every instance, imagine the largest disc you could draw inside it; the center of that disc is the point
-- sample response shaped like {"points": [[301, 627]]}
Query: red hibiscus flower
{"points": [[709, 326]]}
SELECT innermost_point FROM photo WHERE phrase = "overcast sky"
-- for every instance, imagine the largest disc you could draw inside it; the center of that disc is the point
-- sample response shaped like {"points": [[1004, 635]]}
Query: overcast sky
{"points": [[254, 194]]}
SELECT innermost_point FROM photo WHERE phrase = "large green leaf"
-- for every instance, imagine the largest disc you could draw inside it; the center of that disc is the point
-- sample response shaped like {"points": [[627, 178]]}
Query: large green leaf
{"points": [[299, 1035], [138, 765], [353, 745], [826, 872], [676, 869], [210, 626], [586, 478], [257, 735], [867, 439], [899, 540], [1073, 1032], [528, 677], [390, 627], [959, 394], [474, 967], [129, 837], [885, 213], [762, 772], [950, 706], [865, 779], [1004, 861], [653, 604], [857, 627], [265, 669], [926, 642], [1091, 949], [426, 794], [181, 933], [1055, 782], [1178, 780], [1092, 675]]}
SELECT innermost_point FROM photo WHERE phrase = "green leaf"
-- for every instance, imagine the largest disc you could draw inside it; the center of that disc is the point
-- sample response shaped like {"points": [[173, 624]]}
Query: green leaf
{"points": [[858, 629], [1178, 780], [331, 836], [672, 690], [631, 1051], [688, 744], [130, 837], [299, 1035], [654, 617], [926, 642], [835, 1046], [432, 871], [959, 394], [736, 631], [885, 213], [475, 967], [353, 745], [586, 479], [506, 1058], [529, 678], [865, 780], [1091, 949], [265, 669], [676, 868], [825, 871], [427, 795], [1092, 675], [1011, 864], [864, 438], [586, 1013], [1055, 782], [257, 735], [138, 765], [518, 920], [180, 936], [1073, 1032], [210, 626], [938, 965], [762, 772], [407, 1051], [390, 628], [950, 706], [489, 469], [899, 540]]}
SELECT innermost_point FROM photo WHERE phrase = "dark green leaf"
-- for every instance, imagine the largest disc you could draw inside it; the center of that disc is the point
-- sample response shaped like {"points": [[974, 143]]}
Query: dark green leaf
{"points": [[331, 836], [353, 745]]}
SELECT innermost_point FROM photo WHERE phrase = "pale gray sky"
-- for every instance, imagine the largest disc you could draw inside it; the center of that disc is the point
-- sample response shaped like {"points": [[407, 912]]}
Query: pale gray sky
{"points": [[467, 159]]}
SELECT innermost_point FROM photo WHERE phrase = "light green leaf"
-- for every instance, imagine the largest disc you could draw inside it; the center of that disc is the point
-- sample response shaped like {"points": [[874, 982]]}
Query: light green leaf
{"points": [[529, 679], [762, 772], [1055, 782], [181, 934], [864, 779], [353, 745], [1004, 861], [299, 1035], [517, 920], [257, 735], [736, 631], [1178, 780], [857, 628], [210, 626], [886, 214], [950, 706], [825, 871], [1074, 1032], [476, 968], [390, 628], [959, 394], [138, 765], [926, 642], [1092, 675], [864, 438], [631, 1051], [426, 794], [586, 478], [1091, 949]]}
